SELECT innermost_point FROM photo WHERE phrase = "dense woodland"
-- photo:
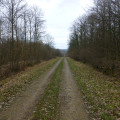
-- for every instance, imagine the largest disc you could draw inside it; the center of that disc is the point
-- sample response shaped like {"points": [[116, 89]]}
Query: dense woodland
{"points": [[95, 37], [23, 39]]}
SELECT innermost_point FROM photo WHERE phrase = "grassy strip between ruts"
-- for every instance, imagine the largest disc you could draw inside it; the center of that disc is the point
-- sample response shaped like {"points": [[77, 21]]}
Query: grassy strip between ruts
{"points": [[47, 108], [11, 86], [101, 93]]}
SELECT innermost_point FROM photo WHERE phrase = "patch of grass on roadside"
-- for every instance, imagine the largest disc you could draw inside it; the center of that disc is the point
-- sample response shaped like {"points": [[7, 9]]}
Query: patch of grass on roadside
{"points": [[101, 92], [47, 109], [16, 83]]}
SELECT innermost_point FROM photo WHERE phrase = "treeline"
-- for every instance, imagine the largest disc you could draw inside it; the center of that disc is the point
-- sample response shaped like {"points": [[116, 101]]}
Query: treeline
{"points": [[95, 37], [22, 31]]}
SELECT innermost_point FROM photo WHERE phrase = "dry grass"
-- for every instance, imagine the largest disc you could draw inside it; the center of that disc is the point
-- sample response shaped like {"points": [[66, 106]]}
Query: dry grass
{"points": [[15, 83], [101, 92]]}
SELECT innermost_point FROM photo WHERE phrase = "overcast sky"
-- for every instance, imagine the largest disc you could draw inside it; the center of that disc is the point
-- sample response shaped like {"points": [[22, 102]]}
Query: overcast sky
{"points": [[59, 15]]}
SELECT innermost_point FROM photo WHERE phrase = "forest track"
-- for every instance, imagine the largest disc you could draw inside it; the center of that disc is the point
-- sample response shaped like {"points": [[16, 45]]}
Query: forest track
{"points": [[23, 106], [71, 104]]}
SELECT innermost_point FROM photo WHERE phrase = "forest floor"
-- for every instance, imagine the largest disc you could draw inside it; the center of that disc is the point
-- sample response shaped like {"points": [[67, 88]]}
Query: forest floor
{"points": [[63, 90]]}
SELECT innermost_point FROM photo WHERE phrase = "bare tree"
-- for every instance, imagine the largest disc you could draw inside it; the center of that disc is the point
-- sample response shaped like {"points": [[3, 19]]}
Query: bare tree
{"points": [[95, 38], [21, 33], [12, 11]]}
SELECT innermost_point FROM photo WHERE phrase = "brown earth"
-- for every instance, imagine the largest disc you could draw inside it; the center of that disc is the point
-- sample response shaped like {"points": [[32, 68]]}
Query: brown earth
{"points": [[23, 107], [71, 104]]}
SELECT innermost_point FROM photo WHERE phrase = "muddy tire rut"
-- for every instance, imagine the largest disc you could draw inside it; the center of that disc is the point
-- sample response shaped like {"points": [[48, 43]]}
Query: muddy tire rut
{"points": [[23, 106], [71, 104]]}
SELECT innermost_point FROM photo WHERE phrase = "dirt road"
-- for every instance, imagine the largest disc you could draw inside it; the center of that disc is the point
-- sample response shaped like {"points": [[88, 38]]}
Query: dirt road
{"points": [[23, 106], [71, 105]]}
